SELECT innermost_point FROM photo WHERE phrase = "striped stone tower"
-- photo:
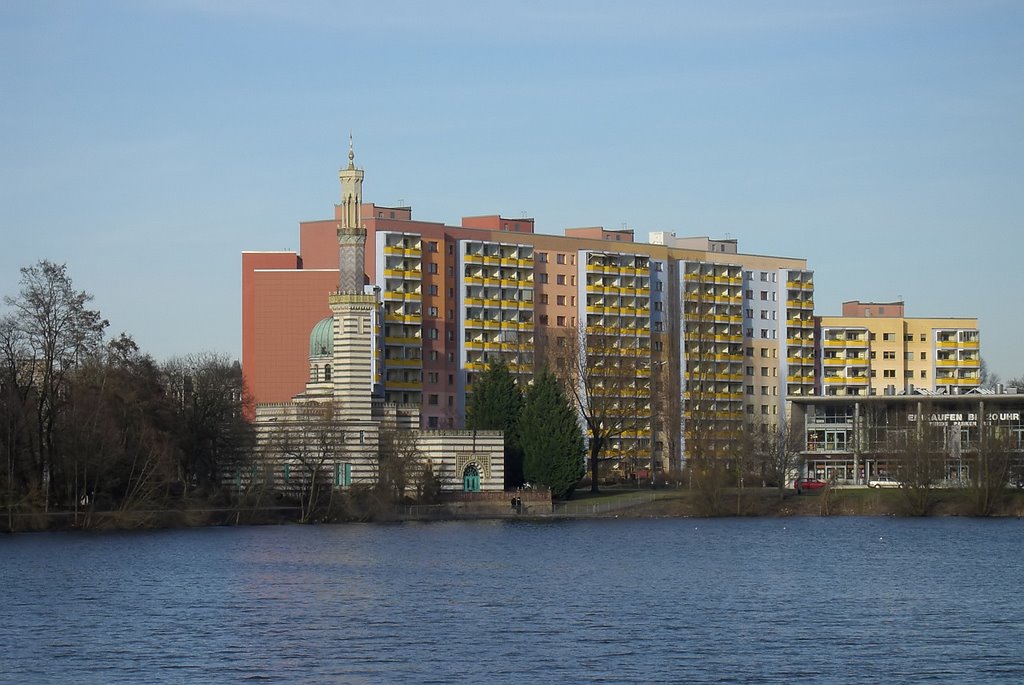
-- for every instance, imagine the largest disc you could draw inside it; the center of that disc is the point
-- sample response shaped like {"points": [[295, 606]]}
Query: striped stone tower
{"points": [[353, 309]]}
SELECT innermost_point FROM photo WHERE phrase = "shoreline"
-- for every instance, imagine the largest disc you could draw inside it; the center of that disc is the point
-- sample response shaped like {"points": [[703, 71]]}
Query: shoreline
{"points": [[635, 504]]}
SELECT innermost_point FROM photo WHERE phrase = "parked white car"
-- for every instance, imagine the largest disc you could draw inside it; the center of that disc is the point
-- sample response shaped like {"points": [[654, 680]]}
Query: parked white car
{"points": [[884, 482]]}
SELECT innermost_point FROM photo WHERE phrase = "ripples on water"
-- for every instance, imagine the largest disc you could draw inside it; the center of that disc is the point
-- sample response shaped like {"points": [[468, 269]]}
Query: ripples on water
{"points": [[846, 600]]}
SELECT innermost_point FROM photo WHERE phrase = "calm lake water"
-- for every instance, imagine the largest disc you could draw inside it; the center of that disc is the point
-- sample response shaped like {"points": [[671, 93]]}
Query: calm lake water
{"points": [[835, 600]]}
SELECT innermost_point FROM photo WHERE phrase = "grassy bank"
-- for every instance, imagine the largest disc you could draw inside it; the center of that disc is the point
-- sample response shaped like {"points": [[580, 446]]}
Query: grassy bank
{"points": [[766, 502]]}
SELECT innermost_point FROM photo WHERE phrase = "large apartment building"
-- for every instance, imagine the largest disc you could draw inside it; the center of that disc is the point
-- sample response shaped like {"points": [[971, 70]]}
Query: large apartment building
{"points": [[874, 349], [692, 324]]}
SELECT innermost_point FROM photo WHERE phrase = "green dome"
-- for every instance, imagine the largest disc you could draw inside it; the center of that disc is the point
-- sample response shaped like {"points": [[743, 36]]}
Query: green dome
{"points": [[321, 340]]}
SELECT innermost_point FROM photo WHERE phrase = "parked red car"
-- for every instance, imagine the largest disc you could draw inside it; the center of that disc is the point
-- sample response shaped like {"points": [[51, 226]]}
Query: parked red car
{"points": [[804, 484]]}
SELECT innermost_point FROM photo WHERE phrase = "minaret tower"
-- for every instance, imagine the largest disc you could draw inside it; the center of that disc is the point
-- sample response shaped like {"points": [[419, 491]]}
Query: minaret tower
{"points": [[353, 309]]}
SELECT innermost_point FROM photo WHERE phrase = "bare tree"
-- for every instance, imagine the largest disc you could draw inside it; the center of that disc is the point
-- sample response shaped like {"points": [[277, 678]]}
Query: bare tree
{"points": [[306, 446], [990, 471], [778, 447], [917, 451], [59, 331], [603, 381], [400, 462], [210, 408]]}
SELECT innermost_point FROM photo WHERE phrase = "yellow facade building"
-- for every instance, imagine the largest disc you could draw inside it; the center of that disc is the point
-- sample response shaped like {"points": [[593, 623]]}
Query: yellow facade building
{"points": [[874, 349]]}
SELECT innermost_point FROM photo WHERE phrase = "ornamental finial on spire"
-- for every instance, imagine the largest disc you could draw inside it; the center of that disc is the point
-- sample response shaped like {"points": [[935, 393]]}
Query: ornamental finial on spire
{"points": [[351, 154]]}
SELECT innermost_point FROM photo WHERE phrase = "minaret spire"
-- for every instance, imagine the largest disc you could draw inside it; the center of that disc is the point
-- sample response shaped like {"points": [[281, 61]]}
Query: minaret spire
{"points": [[351, 234]]}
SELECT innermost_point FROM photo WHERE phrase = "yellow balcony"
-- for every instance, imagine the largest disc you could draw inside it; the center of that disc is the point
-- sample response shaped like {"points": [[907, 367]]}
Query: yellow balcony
{"points": [[400, 250], [410, 363], [399, 340], [402, 385], [401, 296]]}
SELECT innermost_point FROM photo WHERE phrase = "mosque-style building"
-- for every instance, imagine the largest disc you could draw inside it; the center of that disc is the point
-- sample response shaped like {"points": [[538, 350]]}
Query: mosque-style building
{"points": [[338, 427]]}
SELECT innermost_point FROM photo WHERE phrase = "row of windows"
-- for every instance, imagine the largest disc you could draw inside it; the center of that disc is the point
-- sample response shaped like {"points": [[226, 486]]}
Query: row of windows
{"points": [[560, 258], [559, 299]]}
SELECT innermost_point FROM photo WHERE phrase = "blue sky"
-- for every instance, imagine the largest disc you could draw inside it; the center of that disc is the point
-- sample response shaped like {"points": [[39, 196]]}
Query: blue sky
{"points": [[148, 143]]}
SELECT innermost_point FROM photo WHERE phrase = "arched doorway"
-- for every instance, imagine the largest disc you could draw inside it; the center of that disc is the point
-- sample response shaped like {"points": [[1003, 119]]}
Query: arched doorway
{"points": [[471, 478]]}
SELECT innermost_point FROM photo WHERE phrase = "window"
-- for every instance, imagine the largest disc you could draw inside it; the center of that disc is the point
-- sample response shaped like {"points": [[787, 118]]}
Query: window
{"points": [[909, 337], [544, 298], [432, 267], [572, 281], [749, 313], [560, 320], [749, 294], [432, 422], [764, 408], [924, 355], [451, 379], [451, 336], [432, 311], [432, 246], [924, 337], [764, 389], [432, 399], [433, 334], [750, 390], [871, 336], [764, 295], [764, 372], [433, 290], [560, 279], [872, 354], [451, 270], [543, 319], [764, 313], [750, 351], [764, 276], [542, 257], [888, 355], [910, 356], [750, 370], [764, 332], [908, 374], [560, 258], [750, 333], [924, 374], [542, 278], [560, 299], [888, 336], [433, 355], [764, 352], [657, 306], [889, 373], [432, 377]]}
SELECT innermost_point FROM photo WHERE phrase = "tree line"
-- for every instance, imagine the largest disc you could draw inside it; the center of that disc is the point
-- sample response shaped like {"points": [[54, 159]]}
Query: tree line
{"points": [[91, 422]]}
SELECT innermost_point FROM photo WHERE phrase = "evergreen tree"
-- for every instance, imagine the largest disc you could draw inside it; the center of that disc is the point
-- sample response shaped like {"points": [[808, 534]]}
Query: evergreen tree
{"points": [[551, 438], [495, 404]]}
